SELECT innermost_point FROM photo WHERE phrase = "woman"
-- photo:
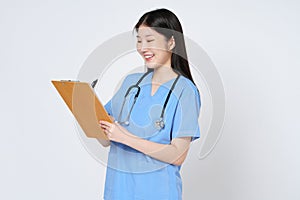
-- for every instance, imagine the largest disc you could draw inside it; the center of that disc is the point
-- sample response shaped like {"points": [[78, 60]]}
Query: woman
{"points": [[157, 116]]}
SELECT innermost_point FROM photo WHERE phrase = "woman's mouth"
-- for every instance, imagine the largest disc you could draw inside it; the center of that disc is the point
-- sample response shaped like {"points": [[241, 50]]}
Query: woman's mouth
{"points": [[148, 56]]}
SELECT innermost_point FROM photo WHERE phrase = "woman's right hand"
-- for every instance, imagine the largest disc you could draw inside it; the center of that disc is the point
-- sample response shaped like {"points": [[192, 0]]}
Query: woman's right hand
{"points": [[103, 142]]}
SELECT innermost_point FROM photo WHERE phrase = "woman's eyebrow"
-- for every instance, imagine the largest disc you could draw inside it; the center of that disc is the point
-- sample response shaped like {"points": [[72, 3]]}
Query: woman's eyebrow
{"points": [[145, 36]]}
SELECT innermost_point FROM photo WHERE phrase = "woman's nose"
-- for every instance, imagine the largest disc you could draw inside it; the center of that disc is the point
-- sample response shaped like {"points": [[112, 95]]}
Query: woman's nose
{"points": [[143, 46]]}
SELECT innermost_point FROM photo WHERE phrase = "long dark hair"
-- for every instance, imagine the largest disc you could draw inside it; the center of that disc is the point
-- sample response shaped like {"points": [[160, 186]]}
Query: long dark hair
{"points": [[166, 23]]}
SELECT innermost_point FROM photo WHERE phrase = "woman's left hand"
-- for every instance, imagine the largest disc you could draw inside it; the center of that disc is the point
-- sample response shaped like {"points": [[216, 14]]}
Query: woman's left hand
{"points": [[114, 131]]}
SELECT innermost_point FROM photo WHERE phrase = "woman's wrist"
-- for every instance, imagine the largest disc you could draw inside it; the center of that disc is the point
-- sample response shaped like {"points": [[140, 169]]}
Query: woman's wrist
{"points": [[128, 138]]}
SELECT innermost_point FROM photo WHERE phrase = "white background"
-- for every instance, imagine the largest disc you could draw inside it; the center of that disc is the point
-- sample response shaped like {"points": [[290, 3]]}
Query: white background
{"points": [[254, 45]]}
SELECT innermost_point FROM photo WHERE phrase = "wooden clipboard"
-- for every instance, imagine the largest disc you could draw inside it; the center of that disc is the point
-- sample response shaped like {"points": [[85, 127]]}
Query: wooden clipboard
{"points": [[85, 106]]}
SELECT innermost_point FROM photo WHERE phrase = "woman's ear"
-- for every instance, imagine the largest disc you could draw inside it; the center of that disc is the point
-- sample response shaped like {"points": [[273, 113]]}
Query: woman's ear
{"points": [[171, 43]]}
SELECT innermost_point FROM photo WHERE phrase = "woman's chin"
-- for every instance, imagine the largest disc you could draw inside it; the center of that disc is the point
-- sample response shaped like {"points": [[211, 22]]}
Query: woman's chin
{"points": [[151, 65]]}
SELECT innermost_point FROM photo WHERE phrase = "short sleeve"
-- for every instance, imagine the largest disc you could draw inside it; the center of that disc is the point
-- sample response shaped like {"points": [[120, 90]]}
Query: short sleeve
{"points": [[185, 121]]}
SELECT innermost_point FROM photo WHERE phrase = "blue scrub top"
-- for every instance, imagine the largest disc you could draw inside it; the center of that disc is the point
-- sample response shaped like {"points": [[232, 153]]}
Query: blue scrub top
{"points": [[132, 175]]}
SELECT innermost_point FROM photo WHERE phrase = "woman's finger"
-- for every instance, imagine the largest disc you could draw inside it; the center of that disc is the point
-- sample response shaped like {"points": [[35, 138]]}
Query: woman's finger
{"points": [[104, 126], [104, 122], [108, 133]]}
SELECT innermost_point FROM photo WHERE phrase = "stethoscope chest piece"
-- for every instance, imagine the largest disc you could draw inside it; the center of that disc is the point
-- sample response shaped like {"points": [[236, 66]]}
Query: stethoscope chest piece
{"points": [[159, 124]]}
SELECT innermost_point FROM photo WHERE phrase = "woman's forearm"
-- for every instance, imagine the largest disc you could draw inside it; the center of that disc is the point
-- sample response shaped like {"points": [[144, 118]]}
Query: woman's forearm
{"points": [[174, 153]]}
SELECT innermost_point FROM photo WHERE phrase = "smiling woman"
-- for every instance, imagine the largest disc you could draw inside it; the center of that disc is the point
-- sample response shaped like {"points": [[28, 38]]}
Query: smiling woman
{"points": [[156, 51], [157, 116], [154, 47]]}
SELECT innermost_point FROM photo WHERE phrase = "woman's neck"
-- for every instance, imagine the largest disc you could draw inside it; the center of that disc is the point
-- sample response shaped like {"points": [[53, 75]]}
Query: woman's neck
{"points": [[163, 74]]}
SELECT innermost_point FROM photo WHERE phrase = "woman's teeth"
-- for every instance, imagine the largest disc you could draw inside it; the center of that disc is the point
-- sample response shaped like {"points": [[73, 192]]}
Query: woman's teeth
{"points": [[148, 56]]}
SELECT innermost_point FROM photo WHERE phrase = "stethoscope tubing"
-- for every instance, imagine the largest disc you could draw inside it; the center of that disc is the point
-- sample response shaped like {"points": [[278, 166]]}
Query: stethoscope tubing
{"points": [[159, 124]]}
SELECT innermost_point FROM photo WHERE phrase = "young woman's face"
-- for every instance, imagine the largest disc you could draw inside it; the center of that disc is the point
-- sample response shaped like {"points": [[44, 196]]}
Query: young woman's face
{"points": [[153, 47]]}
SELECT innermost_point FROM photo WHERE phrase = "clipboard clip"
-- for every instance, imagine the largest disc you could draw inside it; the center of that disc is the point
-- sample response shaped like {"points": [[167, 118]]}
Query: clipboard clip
{"points": [[93, 84], [69, 80], [63, 81]]}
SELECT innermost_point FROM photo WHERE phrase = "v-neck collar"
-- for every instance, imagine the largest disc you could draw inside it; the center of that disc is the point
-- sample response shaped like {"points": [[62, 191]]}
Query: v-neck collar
{"points": [[165, 84]]}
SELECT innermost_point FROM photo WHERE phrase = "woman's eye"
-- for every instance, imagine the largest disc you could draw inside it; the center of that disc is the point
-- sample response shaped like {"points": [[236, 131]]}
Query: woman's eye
{"points": [[140, 41]]}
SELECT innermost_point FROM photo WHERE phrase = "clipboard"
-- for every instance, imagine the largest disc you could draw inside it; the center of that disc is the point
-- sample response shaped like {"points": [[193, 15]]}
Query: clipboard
{"points": [[85, 106]]}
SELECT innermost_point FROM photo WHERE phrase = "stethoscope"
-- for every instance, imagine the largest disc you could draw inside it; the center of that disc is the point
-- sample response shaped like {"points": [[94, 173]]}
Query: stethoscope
{"points": [[159, 124]]}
